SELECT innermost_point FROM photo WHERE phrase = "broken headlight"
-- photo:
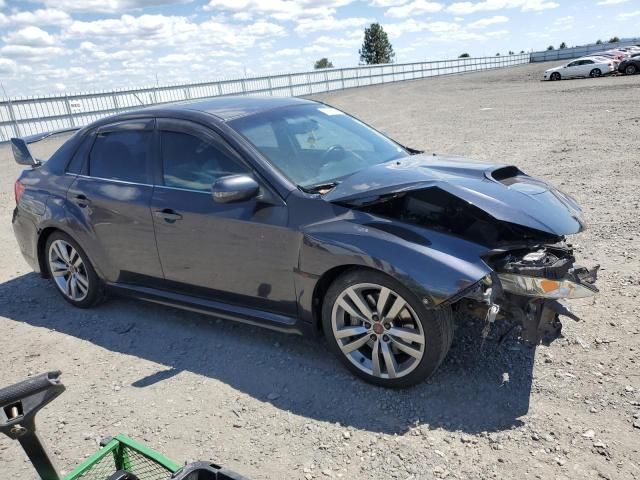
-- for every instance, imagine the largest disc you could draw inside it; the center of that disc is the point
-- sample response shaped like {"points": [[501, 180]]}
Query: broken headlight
{"points": [[546, 287]]}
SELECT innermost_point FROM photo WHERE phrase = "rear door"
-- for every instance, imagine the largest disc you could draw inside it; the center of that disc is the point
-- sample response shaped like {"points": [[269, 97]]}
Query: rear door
{"points": [[240, 253], [111, 199], [586, 66]]}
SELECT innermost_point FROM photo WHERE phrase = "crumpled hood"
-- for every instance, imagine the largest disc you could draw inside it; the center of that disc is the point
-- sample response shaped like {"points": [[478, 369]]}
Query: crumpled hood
{"points": [[502, 191]]}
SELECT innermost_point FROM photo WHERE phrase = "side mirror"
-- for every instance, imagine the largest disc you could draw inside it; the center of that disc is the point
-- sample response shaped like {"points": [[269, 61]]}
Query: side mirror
{"points": [[234, 188]]}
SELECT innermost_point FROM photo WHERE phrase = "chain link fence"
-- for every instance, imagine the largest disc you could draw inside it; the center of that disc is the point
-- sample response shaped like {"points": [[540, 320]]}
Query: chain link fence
{"points": [[29, 116]]}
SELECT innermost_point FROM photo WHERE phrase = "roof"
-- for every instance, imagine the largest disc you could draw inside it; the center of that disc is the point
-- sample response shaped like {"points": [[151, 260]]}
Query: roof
{"points": [[230, 107]]}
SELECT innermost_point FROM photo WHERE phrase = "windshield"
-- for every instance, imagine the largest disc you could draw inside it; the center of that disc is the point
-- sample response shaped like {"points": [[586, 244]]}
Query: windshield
{"points": [[315, 144]]}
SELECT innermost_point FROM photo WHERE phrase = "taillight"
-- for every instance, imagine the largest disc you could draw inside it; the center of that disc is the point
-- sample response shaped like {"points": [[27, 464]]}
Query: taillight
{"points": [[18, 190]]}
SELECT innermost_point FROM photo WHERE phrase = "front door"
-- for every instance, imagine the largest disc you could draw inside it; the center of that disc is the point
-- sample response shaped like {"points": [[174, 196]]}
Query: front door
{"points": [[240, 253], [111, 199]]}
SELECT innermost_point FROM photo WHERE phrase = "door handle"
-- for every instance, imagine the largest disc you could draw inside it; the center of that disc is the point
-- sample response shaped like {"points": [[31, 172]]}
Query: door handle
{"points": [[168, 215], [81, 200]]}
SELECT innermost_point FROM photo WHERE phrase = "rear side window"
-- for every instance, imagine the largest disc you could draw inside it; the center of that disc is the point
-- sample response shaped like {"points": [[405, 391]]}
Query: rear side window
{"points": [[195, 163], [121, 155]]}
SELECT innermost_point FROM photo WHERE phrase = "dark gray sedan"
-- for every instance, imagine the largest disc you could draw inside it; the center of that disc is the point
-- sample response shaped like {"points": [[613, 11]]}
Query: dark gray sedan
{"points": [[293, 215]]}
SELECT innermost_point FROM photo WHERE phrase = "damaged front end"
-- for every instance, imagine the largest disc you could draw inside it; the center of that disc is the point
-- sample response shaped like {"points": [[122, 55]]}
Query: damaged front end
{"points": [[528, 288], [522, 221]]}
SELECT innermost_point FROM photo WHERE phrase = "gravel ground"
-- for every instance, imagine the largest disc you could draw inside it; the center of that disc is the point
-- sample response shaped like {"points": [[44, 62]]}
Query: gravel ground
{"points": [[275, 406]]}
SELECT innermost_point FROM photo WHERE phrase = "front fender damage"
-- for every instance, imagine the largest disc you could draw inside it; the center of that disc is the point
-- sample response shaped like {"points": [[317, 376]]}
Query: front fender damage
{"points": [[530, 292]]}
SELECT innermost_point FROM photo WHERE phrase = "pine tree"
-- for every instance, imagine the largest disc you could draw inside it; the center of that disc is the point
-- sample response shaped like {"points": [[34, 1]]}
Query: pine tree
{"points": [[376, 47]]}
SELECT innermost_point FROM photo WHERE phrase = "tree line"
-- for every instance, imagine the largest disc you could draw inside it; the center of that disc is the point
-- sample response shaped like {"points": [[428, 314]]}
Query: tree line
{"points": [[376, 48]]}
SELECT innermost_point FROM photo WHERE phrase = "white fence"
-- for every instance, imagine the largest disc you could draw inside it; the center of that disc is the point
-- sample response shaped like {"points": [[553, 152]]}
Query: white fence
{"points": [[575, 52], [28, 116]]}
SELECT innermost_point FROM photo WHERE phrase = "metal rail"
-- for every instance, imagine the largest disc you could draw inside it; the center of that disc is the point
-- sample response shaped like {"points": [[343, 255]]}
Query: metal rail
{"points": [[22, 116]]}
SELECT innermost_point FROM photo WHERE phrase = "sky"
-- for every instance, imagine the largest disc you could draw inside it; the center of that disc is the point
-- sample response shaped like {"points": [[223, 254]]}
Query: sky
{"points": [[56, 46]]}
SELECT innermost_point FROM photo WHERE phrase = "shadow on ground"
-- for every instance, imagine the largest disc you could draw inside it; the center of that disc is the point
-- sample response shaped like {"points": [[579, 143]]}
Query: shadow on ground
{"points": [[467, 393]]}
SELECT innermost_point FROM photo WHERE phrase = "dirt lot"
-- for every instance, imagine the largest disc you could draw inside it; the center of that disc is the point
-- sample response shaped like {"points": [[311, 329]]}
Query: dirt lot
{"points": [[276, 406]]}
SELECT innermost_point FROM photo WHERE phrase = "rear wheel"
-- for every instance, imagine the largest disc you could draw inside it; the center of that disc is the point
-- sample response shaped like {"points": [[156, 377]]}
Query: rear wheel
{"points": [[555, 76], [72, 272], [382, 332], [596, 72], [631, 69]]}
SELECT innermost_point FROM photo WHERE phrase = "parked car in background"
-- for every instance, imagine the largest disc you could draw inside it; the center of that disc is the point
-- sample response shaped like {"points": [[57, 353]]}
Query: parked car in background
{"points": [[582, 67], [631, 65], [293, 215]]}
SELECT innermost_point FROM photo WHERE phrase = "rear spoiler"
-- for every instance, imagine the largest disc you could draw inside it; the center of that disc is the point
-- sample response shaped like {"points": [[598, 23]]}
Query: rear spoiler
{"points": [[20, 147]]}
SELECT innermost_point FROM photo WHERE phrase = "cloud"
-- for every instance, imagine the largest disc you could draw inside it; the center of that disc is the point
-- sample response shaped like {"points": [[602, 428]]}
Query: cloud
{"points": [[30, 36], [340, 42], [308, 25], [417, 7], [32, 53], [7, 66], [628, 15], [285, 10], [39, 17], [466, 8], [611, 2], [485, 22], [263, 28], [107, 6], [387, 3], [447, 32]]}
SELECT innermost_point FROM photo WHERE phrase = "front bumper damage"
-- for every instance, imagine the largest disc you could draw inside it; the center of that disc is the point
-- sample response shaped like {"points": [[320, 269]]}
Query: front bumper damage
{"points": [[529, 288]]}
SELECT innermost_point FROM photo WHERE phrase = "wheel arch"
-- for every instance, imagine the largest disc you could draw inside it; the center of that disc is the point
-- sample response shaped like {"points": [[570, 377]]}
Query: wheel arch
{"points": [[323, 284], [43, 236], [45, 233]]}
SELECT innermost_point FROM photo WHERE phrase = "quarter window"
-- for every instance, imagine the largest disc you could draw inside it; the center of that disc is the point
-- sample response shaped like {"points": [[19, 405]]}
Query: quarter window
{"points": [[195, 163], [121, 155]]}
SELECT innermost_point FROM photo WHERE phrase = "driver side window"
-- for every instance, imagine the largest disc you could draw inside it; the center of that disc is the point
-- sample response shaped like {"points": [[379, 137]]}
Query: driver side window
{"points": [[195, 163]]}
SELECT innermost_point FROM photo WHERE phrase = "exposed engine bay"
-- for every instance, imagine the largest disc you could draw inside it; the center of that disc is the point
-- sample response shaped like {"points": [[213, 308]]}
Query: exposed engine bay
{"points": [[439, 210], [533, 271]]}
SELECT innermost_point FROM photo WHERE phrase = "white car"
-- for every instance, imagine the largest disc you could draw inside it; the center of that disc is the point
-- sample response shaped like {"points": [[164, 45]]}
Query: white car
{"points": [[582, 67]]}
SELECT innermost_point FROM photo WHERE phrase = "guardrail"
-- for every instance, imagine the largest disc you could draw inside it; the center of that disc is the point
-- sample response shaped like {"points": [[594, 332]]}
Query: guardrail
{"points": [[28, 116], [575, 52]]}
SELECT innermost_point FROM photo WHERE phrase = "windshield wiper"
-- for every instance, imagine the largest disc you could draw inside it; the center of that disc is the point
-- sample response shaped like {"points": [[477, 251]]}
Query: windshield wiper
{"points": [[319, 187]]}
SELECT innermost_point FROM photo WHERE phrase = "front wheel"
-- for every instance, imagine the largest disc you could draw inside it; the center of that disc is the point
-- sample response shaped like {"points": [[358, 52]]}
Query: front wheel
{"points": [[596, 72], [72, 272], [382, 332], [631, 70], [555, 76]]}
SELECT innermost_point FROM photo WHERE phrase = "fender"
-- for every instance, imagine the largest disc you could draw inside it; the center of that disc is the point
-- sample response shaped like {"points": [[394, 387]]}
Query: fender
{"points": [[432, 265]]}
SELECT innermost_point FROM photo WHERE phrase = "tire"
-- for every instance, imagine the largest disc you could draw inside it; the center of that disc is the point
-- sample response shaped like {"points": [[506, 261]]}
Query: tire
{"points": [[596, 72], [555, 76], [400, 331], [631, 70], [71, 271]]}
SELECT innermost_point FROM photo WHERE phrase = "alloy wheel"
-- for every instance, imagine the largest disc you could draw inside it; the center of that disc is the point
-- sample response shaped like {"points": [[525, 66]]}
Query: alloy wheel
{"points": [[68, 270], [377, 330], [630, 70]]}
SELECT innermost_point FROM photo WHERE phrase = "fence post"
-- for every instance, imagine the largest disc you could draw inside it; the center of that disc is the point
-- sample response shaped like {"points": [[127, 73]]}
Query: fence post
{"points": [[326, 79], [270, 86], [69, 112], [115, 102], [16, 128], [290, 86], [342, 78]]}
